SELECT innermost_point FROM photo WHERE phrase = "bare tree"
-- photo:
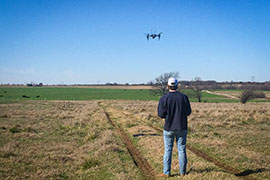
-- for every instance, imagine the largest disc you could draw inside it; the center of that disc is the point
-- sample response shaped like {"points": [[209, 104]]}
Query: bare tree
{"points": [[161, 82], [198, 88]]}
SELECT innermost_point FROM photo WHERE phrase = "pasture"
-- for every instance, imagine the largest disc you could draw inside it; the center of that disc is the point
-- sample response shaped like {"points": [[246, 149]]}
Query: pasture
{"points": [[96, 139], [15, 94], [73, 93], [83, 133]]}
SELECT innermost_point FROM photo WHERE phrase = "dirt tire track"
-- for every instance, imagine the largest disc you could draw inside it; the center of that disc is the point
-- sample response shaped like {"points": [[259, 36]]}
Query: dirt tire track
{"points": [[219, 164], [221, 94], [138, 159]]}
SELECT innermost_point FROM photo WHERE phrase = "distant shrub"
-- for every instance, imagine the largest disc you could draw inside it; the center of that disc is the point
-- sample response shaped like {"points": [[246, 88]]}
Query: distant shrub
{"points": [[259, 94], [251, 94], [247, 95]]}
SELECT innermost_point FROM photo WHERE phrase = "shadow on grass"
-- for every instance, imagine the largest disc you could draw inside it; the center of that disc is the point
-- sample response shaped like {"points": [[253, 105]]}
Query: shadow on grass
{"points": [[249, 171], [192, 170], [205, 170], [141, 134]]}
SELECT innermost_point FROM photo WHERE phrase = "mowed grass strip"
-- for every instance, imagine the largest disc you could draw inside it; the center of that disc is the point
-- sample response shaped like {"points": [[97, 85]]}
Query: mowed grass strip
{"points": [[61, 140]]}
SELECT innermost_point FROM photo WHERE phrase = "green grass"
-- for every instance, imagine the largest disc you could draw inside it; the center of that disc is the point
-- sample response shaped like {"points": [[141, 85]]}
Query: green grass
{"points": [[13, 95], [66, 93]]}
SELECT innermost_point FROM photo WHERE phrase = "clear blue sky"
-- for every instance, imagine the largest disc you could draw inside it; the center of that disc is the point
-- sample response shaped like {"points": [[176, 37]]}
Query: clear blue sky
{"points": [[98, 41]]}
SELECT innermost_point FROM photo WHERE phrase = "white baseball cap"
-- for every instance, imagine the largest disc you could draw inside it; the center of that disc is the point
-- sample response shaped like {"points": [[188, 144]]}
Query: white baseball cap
{"points": [[172, 82]]}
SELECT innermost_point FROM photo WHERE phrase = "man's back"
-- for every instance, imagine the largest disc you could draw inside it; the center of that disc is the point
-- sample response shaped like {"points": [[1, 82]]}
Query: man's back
{"points": [[174, 107]]}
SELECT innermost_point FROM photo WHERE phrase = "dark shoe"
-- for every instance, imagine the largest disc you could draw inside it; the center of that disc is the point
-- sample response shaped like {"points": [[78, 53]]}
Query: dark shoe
{"points": [[165, 175]]}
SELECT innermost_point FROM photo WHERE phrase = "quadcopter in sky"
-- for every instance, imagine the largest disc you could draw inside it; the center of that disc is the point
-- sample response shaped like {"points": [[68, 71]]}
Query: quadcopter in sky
{"points": [[153, 35]]}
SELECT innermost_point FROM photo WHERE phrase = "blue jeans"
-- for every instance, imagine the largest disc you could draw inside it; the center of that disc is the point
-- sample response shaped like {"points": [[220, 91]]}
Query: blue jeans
{"points": [[181, 139]]}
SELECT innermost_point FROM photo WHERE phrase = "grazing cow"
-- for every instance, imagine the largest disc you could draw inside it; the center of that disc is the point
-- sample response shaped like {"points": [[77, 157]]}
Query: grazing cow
{"points": [[1, 95], [24, 96], [5, 91], [37, 96]]}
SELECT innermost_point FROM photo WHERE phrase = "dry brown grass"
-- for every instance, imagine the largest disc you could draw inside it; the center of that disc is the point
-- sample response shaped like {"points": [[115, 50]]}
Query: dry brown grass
{"points": [[73, 140], [233, 133], [61, 140]]}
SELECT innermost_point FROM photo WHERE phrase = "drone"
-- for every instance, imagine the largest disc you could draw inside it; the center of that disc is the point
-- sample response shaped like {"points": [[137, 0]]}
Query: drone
{"points": [[153, 35]]}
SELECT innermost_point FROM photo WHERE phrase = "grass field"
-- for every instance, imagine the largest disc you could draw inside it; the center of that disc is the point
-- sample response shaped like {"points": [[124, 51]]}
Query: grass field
{"points": [[75, 140], [61, 140], [69, 93], [82, 93], [75, 93], [234, 134], [90, 133]]}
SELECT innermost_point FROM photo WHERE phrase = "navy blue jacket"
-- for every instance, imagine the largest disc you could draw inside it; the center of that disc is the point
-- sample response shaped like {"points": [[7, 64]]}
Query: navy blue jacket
{"points": [[174, 107]]}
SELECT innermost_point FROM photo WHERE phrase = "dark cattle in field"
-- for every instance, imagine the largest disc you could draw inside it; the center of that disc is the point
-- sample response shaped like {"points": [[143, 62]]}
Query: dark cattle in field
{"points": [[5, 91], [37, 96], [24, 96], [1, 95]]}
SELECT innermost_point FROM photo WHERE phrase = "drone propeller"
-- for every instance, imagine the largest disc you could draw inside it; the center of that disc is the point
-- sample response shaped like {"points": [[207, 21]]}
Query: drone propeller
{"points": [[159, 35], [147, 36]]}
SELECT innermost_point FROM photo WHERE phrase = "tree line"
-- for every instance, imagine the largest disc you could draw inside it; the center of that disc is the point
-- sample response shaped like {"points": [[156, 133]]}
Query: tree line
{"points": [[252, 90]]}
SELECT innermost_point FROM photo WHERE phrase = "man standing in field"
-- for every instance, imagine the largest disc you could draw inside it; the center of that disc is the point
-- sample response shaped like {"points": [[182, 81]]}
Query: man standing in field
{"points": [[174, 107]]}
